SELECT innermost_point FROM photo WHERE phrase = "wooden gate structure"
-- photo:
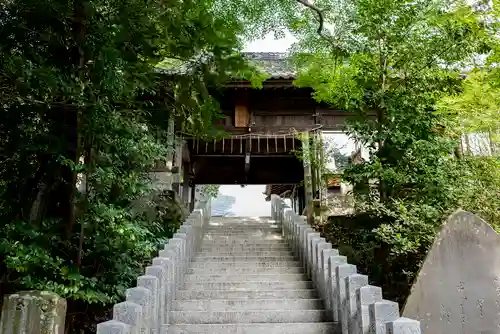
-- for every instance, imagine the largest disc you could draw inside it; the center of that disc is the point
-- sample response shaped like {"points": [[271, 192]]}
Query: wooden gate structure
{"points": [[262, 144]]}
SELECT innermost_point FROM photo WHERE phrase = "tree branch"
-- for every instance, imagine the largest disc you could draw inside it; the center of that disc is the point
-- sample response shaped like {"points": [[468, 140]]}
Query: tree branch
{"points": [[321, 20], [319, 12]]}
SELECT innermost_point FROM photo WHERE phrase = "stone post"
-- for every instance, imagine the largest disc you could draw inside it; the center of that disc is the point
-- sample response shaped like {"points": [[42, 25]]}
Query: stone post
{"points": [[382, 313], [160, 273], [315, 263], [353, 283], [113, 327], [185, 249], [342, 272], [304, 230], [143, 297], [298, 224], [327, 291], [365, 296], [33, 312], [273, 207], [287, 218], [309, 253], [320, 272], [168, 265], [131, 314], [186, 231], [404, 326], [333, 263], [152, 284]]}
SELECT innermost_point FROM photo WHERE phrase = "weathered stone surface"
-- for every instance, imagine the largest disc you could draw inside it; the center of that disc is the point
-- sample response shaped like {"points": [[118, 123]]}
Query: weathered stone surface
{"points": [[365, 296], [310, 237], [153, 285], [403, 326], [308, 233], [353, 283], [170, 291], [160, 273], [131, 314], [382, 313], [333, 263], [343, 271], [177, 245], [457, 289], [143, 297], [327, 287], [113, 327], [176, 266], [33, 312], [320, 273]]}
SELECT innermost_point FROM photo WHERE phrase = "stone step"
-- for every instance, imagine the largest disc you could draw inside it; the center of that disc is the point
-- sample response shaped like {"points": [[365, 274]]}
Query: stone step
{"points": [[245, 236], [244, 277], [256, 264], [248, 304], [242, 231], [236, 246], [249, 285], [255, 294], [241, 226], [228, 246], [244, 258], [255, 328], [274, 316], [244, 228], [280, 248], [247, 242], [255, 220], [244, 253], [238, 229], [245, 270], [232, 241]]}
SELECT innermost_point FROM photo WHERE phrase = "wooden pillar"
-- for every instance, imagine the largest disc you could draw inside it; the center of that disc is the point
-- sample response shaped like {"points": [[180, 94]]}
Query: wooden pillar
{"points": [[323, 185], [192, 202], [186, 169], [176, 176], [170, 149], [306, 158]]}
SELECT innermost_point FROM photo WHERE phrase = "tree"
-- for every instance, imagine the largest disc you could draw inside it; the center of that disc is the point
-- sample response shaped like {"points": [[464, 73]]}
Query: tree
{"points": [[84, 117], [390, 62]]}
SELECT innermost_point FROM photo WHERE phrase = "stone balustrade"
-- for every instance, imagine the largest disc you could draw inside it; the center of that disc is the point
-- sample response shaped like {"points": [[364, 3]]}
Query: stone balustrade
{"points": [[147, 307], [356, 306]]}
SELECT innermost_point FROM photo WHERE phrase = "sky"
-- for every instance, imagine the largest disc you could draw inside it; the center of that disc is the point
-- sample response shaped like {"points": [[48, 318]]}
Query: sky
{"points": [[269, 44]]}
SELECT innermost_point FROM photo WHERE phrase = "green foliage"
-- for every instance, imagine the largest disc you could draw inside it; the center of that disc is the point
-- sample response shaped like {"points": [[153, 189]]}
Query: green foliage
{"points": [[478, 189], [85, 109], [390, 64], [475, 108], [212, 190]]}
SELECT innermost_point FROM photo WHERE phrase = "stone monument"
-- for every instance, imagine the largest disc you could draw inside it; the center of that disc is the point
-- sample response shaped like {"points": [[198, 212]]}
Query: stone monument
{"points": [[458, 288]]}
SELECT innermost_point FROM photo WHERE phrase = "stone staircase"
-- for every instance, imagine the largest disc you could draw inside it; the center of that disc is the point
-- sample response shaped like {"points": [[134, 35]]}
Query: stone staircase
{"points": [[245, 280], [249, 276]]}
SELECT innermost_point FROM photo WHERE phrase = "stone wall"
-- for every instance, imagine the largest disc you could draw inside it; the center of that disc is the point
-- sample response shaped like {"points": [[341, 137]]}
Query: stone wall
{"points": [[458, 288], [357, 307], [147, 306]]}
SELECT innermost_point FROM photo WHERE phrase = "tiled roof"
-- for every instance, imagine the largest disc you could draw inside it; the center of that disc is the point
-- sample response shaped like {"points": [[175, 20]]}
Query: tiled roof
{"points": [[276, 64]]}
